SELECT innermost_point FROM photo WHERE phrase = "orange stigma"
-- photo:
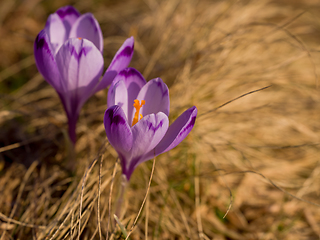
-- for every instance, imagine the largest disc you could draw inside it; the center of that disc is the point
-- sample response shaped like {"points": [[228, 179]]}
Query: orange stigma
{"points": [[137, 106], [79, 38]]}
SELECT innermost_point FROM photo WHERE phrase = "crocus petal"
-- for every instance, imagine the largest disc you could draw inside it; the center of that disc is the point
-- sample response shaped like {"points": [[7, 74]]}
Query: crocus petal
{"points": [[147, 133], [176, 132], [118, 132], [88, 27], [69, 16], [56, 31], [80, 64], [123, 57], [133, 81], [156, 95], [118, 95], [45, 61]]}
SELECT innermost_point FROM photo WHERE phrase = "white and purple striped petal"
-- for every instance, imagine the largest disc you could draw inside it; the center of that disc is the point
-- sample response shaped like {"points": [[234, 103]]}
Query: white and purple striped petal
{"points": [[147, 133], [68, 15], [123, 57], [118, 95], [177, 131], [88, 27], [119, 133], [45, 60], [56, 31], [80, 64], [156, 95]]}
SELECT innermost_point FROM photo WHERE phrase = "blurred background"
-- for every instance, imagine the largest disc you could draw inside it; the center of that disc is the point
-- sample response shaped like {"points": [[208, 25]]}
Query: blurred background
{"points": [[248, 170]]}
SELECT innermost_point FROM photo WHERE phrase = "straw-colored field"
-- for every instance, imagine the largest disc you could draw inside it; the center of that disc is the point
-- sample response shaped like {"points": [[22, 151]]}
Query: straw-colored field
{"points": [[255, 160]]}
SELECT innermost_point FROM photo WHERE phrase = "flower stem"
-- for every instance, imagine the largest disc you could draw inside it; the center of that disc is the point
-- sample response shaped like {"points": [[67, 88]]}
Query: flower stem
{"points": [[71, 157], [119, 203], [72, 122]]}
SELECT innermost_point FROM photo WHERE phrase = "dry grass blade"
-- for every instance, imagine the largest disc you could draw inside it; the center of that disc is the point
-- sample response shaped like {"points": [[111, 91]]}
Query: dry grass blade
{"points": [[147, 218], [16, 145], [6, 219], [110, 196], [232, 100], [99, 194]]}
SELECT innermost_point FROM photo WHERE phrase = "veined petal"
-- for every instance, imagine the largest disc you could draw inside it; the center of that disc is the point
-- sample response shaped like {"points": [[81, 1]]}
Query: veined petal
{"points": [[118, 132], [177, 131], [118, 95], [69, 16], [147, 133], [80, 64], [56, 31], [156, 95], [88, 27], [45, 60], [123, 57], [133, 81]]}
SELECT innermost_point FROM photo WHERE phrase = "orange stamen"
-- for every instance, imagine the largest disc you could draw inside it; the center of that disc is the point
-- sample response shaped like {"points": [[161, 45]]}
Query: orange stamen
{"points": [[79, 38], [137, 106]]}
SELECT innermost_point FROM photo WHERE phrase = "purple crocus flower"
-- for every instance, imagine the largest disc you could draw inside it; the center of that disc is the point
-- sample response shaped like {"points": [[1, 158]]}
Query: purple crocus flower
{"points": [[67, 23], [136, 121], [68, 53]]}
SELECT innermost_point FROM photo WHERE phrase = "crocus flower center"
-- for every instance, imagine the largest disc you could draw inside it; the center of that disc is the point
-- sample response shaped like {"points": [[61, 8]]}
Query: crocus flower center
{"points": [[79, 38], [137, 106]]}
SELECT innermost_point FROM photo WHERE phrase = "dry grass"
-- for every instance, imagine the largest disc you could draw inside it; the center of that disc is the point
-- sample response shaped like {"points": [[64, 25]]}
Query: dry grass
{"points": [[259, 153]]}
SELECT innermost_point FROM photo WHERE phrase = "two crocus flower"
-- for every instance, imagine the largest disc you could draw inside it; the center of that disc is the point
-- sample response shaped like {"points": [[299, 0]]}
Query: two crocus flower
{"points": [[68, 53]]}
